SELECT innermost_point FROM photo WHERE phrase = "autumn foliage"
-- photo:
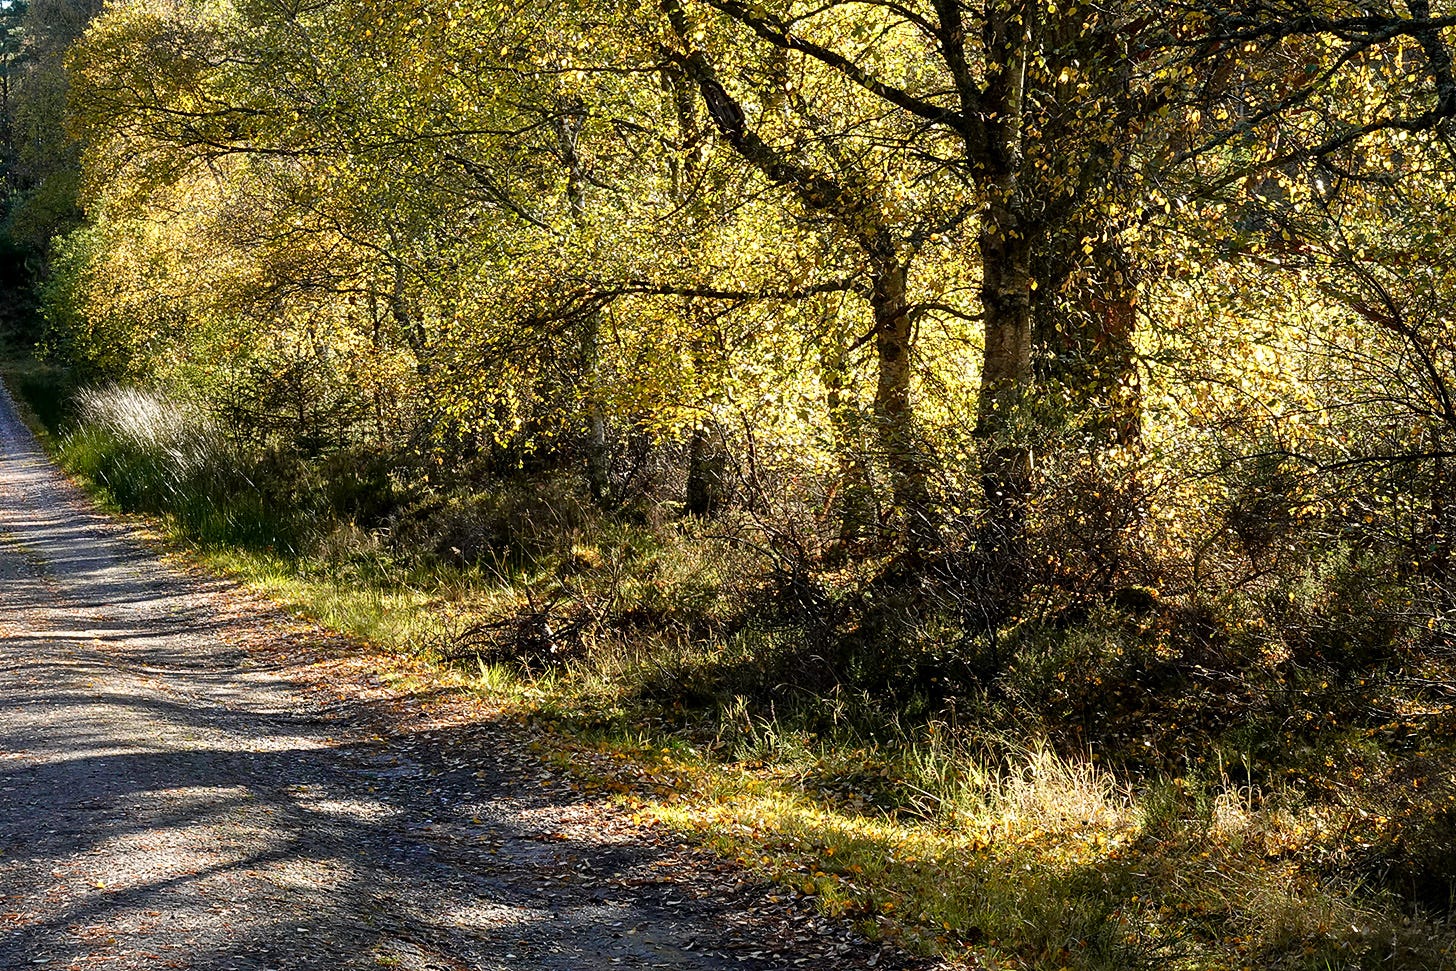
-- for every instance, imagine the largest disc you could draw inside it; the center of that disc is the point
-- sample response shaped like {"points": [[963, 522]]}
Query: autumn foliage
{"points": [[843, 371]]}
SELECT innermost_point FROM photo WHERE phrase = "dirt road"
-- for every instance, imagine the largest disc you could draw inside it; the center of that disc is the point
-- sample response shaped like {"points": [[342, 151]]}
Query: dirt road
{"points": [[176, 790]]}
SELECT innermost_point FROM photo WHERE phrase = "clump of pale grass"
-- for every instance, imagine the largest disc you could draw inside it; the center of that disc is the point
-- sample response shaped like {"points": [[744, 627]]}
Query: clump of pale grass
{"points": [[1058, 792], [1031, 787], [151, 423]]}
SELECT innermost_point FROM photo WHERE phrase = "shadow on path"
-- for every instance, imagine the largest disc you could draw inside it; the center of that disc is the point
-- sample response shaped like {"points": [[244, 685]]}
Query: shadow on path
{"points": [[171, 798]]}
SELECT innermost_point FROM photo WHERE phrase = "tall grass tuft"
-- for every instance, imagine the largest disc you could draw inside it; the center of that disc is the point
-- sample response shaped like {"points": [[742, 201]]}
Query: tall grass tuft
{"points": [[152, 453], [182, 441]]}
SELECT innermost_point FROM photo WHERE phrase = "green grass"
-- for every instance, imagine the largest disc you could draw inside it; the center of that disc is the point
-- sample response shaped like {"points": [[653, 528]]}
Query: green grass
{"points": [[397, 618], [43, 393], [1266, 822]]}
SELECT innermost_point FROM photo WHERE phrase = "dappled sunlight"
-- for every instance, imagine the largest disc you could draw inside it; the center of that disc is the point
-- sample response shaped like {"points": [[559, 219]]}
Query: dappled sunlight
{"points": [[487, 915], [185, 785], [318, 799], [984, 468]]}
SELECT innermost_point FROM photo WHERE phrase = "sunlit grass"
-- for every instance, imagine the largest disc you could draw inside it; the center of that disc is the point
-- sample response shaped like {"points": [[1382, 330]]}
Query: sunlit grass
{"points": [[997, 850], [1022, 859], [396, 618], [1045, 863]]}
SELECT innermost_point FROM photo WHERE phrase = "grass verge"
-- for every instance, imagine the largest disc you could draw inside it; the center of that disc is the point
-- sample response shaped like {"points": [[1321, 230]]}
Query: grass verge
{"points": [[993, 848]]}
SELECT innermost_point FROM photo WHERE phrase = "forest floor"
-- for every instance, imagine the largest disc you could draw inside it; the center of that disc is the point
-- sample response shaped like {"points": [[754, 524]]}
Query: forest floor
{"points": [[190, 777]]}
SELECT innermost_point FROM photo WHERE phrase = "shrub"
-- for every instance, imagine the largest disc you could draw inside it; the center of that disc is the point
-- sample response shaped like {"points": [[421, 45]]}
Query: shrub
{"points": [[507, 525]]}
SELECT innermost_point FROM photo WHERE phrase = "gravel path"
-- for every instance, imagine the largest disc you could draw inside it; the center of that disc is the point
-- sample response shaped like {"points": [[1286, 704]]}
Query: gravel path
{"points": [[177, 790]]}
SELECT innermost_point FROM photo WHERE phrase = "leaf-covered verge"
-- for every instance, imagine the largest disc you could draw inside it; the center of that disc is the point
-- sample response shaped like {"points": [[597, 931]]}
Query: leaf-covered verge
{"points": [[1154, 784]]}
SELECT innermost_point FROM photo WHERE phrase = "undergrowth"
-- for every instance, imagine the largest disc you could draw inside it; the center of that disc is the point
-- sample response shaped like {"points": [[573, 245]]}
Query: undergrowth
{"points": [[1257, 777]]}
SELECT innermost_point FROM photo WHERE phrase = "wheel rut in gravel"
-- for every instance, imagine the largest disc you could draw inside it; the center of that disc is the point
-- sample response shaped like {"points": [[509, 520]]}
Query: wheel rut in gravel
{"points": [[179, 787]]}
